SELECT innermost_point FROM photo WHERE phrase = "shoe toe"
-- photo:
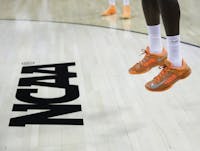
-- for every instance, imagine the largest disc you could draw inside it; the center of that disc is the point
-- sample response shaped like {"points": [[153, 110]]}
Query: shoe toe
{"points": [[105, 13], [134, 69], [131, 71], [125, 16], [148, 85]]}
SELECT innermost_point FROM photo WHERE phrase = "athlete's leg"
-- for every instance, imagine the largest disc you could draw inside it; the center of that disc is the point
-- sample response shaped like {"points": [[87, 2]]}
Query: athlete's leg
{"points": [[111, 2], [151, 12], [126, 2], [152, 16], [170, 12], [175, 68], [126, 14], [155, 54]]}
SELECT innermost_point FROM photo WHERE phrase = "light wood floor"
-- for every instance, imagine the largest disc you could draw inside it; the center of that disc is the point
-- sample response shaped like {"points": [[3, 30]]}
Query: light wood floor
{"points": [[119, 114], [88, 12]]}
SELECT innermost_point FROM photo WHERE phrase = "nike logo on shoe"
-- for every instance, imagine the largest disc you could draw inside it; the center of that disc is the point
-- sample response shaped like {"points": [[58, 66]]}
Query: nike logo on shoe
{"points": [[155, 86]]}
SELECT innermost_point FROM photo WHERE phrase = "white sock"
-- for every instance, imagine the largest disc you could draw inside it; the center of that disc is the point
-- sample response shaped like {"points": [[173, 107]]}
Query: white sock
{"points": [[112, 2], [174, 53], [154, 36], [126, 2]]}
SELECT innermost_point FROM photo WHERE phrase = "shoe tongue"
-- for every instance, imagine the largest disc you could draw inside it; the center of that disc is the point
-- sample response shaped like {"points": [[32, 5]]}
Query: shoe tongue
{"points": [[147, 52], [168, 63], [148, 48]]}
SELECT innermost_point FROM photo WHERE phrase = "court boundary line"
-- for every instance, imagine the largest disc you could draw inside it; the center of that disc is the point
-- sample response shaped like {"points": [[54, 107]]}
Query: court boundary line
{"points": [[90, 25]]}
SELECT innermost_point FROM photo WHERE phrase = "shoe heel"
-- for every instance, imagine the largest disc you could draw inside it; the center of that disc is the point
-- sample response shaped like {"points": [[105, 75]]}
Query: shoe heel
{"points": [[186, 74]]}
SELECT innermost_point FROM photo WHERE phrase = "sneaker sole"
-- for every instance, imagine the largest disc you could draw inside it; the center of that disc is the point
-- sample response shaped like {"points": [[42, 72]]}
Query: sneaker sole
{"points": [[108, 14], [167, 88]]}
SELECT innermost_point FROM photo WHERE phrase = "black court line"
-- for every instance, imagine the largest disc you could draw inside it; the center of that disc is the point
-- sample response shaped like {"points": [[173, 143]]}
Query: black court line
{"points": [[82, 24]]}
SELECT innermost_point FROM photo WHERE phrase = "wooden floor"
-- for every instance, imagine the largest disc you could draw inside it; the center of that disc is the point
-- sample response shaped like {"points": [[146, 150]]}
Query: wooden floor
{"points": [[88, 12], [118, 113]]}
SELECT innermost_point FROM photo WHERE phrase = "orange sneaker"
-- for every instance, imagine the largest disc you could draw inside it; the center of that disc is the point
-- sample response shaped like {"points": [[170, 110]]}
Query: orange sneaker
{"points": [[111, 10], [126, 14], [168, 76], [149, 61]]}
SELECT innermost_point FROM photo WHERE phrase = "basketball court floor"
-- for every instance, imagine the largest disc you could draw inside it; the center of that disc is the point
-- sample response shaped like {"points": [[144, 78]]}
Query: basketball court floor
{"points": [[46, 53]]}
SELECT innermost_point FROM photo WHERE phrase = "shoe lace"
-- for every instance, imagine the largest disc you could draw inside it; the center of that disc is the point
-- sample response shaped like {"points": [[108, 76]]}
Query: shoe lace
{"points": [[164, 69], [143, 51]]}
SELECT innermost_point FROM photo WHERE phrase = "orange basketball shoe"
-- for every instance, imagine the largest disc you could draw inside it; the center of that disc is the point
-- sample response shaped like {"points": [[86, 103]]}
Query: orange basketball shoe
{"points": [[149, 61], [111, 10], [168, 76], [126, 14]]}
